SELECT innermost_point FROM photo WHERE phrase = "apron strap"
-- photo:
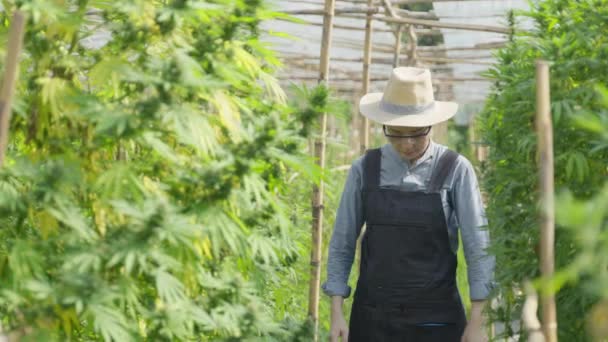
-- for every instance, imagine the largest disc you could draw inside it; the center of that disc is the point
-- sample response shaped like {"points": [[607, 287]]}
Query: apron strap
{"points": [[371, 169], [371, 177], [442, 170]]}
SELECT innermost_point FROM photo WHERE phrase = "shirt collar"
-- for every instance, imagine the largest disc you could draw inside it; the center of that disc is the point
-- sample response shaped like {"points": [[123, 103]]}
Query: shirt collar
{"points": [[394, 155]]}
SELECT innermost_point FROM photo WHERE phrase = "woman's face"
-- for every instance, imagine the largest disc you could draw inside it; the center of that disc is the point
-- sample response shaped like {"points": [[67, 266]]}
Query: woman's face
{"points": [[410, 142]]}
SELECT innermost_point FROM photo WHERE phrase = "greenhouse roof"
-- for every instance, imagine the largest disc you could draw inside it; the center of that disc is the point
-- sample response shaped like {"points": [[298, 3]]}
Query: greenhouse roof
{"points": [[457, 64]]}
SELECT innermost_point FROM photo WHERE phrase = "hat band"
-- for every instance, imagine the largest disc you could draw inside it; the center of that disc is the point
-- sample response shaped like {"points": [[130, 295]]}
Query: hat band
{"points": [[405, 109]]}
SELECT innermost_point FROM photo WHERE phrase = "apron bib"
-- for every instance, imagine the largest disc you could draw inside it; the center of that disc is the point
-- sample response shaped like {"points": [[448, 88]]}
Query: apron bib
{"points": [[408, 270]]}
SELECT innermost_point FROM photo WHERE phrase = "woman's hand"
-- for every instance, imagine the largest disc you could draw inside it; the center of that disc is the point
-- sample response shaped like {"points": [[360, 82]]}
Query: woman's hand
{"points": [[475, 330], [339, 328]]}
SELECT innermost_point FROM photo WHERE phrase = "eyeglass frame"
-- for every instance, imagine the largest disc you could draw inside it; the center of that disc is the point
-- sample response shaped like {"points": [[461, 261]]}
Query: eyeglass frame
{"points": [[406, 136]]}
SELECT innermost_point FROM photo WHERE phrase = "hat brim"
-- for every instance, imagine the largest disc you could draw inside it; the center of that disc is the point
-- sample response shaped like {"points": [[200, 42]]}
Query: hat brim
{"points": [[369, 106]]}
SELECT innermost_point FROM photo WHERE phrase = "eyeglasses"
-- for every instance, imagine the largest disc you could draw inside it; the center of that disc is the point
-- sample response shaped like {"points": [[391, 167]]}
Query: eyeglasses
{"points": [[417, 135]]}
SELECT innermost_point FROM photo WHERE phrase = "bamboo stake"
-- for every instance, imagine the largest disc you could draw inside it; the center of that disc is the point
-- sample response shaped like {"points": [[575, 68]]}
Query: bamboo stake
{"points": [[398, 35], [436, 81], [15, 42], [412, 53], [383, 48], [412, 14], [440, 24], [388, 7], [305, 60], [544, 129], [317, 192], [420, 31], [337, 11], [453, 60], [358, 28], [407, 2], [364, 121], [349, 27], [383, 53], [367, 57], [528, 316], [398, 31]]}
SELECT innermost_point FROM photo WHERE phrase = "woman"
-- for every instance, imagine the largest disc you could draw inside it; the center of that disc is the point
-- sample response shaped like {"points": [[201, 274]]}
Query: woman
{"points": [[413, 195]]}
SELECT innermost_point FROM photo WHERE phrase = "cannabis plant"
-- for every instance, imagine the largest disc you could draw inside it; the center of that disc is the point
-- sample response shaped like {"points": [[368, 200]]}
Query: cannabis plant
{"points": [[570, 34], [142, 197]]}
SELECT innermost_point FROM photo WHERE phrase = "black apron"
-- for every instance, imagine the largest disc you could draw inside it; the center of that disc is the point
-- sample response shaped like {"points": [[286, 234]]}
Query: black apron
{"points": [[408, 270]]}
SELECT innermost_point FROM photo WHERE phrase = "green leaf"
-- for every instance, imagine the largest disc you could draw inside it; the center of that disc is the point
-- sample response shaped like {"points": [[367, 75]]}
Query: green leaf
{"points": [[192, 129], [53, 91], [119, 182], [109, 322], [169, 288], [72, 218]]}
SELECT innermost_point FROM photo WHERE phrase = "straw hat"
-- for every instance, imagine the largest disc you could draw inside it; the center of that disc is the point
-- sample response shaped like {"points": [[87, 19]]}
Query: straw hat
{"points": [[407, 101]]}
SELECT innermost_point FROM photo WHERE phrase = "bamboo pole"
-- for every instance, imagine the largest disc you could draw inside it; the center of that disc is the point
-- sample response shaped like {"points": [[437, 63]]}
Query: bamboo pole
{"points": [[364, 129], [413, 14], [350, 27], [408, 2], [412, 52], [388, 6], [398, 30], [528, 316], [383, 54], [440, 24], [15, 42], [397, 53], [544, 129], [436, 81], [421, 32], [317, 192], [383, 48], [367, 57], [426, 15], [306, 60], [337, 11], [11, 68], [453, 60]]}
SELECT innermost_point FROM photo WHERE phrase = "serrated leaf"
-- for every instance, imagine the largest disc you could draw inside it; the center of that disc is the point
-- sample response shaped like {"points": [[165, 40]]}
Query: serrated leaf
{"points": [[71, 217], [54, 90], [169, 288], [109, 323]]}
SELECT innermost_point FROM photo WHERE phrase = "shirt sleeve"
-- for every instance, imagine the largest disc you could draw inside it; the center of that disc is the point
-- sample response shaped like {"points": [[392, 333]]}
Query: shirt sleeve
{"points": [[473, 223], [349, 220]]}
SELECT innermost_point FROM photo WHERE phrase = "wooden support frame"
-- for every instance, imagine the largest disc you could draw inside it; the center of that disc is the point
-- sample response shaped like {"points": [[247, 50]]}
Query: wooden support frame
{"points": [[337, 11], [15, 43], [409, 2], [367, 59], [440, 24], [317, 191], [544, 129]]}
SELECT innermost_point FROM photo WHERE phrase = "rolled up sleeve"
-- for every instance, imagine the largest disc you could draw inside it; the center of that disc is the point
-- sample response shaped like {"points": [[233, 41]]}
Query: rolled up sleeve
{"points": [[349, 219], [473, 225]]}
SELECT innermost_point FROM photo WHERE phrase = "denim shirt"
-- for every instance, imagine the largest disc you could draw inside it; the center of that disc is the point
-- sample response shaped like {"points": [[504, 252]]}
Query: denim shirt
{"points": [[462, 206]]}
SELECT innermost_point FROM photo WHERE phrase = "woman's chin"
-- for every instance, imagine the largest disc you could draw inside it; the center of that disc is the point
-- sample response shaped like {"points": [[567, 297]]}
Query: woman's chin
{"points": [[408, 155]]}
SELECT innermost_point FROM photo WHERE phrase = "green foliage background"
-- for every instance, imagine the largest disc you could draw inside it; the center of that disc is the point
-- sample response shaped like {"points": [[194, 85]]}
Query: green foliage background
{"points": [[570, 34], [587, 220], [147, 194]]}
